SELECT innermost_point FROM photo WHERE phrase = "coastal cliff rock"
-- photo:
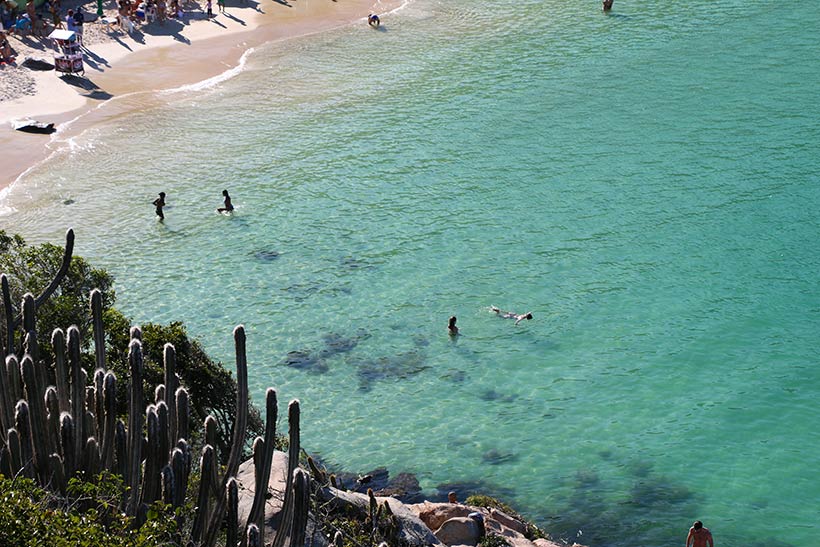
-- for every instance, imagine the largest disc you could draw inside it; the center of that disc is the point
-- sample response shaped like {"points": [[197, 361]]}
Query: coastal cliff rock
{"points": [[460, 531], [454, 523]]}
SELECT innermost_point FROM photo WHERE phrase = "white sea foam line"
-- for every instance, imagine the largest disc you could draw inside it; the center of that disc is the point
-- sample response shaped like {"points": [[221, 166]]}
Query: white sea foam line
{"points": [[219, 78], [6, 209], [56, 141]]}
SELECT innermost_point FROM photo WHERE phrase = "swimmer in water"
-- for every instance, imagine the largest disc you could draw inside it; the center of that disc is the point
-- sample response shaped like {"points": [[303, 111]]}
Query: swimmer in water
{"points": [[373, 20], [511, 315], [159, 203], [451, 326], [228, 205]]}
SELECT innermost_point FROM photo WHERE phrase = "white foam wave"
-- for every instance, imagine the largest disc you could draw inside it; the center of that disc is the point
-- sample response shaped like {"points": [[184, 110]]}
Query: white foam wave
{"points": [[219, 78]]}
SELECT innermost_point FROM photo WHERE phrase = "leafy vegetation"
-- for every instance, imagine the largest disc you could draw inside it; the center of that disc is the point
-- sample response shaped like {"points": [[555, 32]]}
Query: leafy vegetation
{"points": [[31, 517], [493, 540], [211, 387]]}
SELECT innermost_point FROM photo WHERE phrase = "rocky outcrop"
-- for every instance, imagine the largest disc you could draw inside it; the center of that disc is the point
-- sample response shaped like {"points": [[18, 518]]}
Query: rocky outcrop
{"points": [[454, 526], [425, 524], [461, 530]]}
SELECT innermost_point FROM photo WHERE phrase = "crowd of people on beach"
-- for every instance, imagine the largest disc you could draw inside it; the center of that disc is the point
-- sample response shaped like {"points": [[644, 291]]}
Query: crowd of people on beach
{"points": [[40, 21]]}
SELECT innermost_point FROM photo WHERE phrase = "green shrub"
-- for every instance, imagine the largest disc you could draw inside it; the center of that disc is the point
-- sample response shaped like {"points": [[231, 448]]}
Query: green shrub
{"points": [[33, 517], [211, 387], [493, 540]]}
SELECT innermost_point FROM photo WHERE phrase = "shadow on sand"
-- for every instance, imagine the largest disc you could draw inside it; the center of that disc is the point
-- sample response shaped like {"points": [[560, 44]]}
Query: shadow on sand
{"points": [[92, 91]]}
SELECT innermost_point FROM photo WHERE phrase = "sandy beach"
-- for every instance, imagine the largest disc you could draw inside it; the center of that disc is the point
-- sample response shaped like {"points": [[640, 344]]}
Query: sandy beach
{"points": [[151, 58]]}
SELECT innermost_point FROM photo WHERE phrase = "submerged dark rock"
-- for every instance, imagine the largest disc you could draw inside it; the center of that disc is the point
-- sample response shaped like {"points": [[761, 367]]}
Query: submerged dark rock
{"points": [[496, 457], [266, 256], [305, 360], [337, 343], [401, 366], [404, 487]]}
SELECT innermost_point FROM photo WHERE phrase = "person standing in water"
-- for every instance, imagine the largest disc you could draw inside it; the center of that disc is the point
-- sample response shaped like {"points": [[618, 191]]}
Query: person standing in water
{"points": [[452, 329], [699, 536], [159, 203], [228, 205]]}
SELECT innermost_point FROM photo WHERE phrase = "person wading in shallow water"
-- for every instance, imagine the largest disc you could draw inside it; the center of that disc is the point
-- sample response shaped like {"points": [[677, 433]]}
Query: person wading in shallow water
{"points": [[228, 205], [451, 326], [159, 203], [699, 536]]}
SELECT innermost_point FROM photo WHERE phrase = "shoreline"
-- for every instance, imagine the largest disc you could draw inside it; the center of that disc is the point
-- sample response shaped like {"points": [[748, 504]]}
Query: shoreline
{"points": [[156, 61]]}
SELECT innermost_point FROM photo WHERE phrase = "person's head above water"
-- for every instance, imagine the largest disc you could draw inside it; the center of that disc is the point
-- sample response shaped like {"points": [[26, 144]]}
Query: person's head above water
{"points": [[162, 194], [528, 315], [225, 193]]}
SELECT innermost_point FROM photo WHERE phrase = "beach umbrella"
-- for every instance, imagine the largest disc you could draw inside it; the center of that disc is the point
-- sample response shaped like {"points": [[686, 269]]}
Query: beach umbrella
{"points": [[99, 8]]}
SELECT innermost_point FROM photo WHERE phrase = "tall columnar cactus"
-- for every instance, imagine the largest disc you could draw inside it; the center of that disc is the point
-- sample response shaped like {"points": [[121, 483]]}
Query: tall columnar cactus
{"points": [[169, 358], [15, 451], [54, 432], [97, 323], [41, 448], [58, 346], [53, 420], [183, 413], [153, 459], [67, 433], [238, 437], [262, 467], [254, 538], [15, 383], [77, 393], [6, 398], [134, 446], [180, 466], [207, 466], [97, 403], [232, 520], [301, 507], [109, 399], [283, 535], [23, 427], [8, 312]]}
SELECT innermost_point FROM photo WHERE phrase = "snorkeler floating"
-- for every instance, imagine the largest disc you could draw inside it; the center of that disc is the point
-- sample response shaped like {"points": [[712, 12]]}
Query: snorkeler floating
{"points": [[511, 315]]}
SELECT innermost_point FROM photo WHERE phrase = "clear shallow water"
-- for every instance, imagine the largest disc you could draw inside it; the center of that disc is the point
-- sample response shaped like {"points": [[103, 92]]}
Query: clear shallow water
{"points": [[645, 183]]}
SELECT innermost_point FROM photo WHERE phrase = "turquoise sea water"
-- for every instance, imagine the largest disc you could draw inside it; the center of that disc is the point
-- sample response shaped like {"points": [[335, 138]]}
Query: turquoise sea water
{"points": [[645, 182]]}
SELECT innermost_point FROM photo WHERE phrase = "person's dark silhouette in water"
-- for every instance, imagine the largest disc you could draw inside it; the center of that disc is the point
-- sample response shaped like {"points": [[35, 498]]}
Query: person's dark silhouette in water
{"points": [[228, 205], [159, 203]]}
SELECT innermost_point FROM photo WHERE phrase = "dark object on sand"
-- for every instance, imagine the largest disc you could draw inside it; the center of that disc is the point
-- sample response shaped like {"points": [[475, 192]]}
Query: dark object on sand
{"points": [[31, 126], [37, 64]]}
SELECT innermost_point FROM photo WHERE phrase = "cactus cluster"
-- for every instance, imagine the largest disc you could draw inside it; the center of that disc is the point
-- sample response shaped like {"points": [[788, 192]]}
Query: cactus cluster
{"points": [[57, 423]]}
